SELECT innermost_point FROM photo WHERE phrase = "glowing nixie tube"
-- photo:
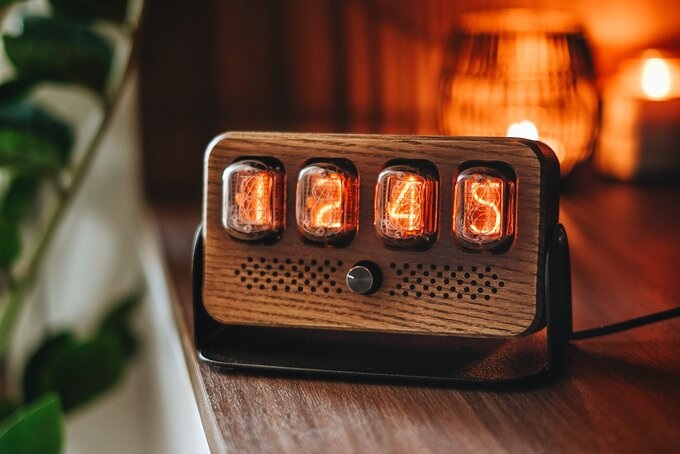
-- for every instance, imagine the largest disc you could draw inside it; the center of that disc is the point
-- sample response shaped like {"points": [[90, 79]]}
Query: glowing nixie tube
{"points": [[327, 202], [483, 209], [253, 199], [406, 205]]}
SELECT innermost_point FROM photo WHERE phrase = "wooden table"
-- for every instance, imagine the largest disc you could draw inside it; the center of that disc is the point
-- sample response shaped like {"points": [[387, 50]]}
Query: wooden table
{"points": [[618, 393]]}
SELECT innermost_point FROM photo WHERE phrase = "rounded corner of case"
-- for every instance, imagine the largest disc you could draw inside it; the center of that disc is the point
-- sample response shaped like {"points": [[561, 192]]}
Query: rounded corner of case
{"points": [[537, 323], [542, 151], [217, 140], [207, 311]]}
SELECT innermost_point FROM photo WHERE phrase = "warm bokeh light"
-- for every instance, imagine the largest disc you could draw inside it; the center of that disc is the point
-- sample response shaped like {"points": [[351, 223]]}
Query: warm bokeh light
{"points": [[406, 205], [522, 73], [524, 129], [656, 78], [326, 207]]}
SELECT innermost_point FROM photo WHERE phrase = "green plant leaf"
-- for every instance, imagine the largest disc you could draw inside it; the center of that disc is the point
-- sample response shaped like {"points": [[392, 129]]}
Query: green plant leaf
{"points": [[31, 139], [114, 10], [37, 428], [21, 150], [79, 371], [37, 372], [19, 197], [14, 90], [60, 50], [7, 407], [10, 246], [82, 371], [117, 323]]}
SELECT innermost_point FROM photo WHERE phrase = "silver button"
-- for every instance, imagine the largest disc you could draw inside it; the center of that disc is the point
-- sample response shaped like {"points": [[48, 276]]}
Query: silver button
{"points": [[363, 278]]}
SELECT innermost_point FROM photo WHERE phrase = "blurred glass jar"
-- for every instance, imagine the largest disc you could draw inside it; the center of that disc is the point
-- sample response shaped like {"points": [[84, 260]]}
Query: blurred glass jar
{"points": [[522, 73]]}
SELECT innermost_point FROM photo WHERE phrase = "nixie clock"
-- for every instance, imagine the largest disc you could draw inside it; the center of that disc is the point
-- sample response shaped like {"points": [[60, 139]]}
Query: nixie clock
{"points": [[420, 257]]}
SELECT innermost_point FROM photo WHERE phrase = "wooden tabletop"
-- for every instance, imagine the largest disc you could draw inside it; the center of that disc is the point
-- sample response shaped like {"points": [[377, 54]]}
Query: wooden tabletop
{"points": [[618, 393]]}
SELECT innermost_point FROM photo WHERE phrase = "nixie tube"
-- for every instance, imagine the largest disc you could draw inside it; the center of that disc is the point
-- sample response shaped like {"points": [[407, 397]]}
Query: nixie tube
{"points": [[327, 202], [483, 211], [253, 195], [406, 205]]}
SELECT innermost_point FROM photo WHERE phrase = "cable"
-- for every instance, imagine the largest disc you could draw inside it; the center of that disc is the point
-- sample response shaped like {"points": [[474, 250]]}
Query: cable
{"points": [[628, 324]]}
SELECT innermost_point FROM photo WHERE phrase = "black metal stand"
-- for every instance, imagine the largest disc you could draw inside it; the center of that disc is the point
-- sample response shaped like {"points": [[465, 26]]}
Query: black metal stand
{"points": [[394, 356]]}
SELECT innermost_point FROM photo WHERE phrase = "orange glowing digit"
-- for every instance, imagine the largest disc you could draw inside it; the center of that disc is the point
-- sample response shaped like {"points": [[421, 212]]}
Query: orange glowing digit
{"points": [[326, 208], [325, 202], [483, 203], [405, 212], [252, 199], [483, 214], [406, 205]]}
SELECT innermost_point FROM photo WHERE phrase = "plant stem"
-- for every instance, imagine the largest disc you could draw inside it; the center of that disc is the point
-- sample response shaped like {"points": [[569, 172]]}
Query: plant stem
{"points": [[18, 291], [18, 288], [15, 296]]}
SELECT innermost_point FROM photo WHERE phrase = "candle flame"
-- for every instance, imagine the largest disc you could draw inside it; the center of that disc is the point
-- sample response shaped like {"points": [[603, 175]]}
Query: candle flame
{"points": [[524, 129], [656, 78]]}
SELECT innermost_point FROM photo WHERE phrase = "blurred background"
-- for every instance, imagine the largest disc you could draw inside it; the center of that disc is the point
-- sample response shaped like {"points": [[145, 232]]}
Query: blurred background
{"points": [[369, 66], [359, 66]]}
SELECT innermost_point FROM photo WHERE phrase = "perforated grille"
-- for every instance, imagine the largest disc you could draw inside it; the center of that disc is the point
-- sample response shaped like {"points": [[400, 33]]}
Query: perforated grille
{"points": [[445, 281], [291, 275]]}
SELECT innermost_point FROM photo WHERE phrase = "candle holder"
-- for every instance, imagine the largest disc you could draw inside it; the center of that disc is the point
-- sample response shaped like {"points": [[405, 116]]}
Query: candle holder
{"points": [[522, 73], [641, 116]]}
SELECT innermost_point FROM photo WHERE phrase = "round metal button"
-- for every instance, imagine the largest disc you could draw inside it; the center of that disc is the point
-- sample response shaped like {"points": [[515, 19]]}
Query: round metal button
{"points": [[364, 278]]}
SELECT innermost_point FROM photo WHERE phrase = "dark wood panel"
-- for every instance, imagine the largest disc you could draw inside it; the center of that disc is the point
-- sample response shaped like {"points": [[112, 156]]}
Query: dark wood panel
{"points": [[367, 66], [619, 393]]}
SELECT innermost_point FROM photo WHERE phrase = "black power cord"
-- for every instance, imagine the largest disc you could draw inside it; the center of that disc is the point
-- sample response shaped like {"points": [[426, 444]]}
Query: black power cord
{"points": [[628, 324]]}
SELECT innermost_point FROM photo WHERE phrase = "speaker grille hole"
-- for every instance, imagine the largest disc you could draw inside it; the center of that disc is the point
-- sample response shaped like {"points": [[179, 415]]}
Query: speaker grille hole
{"points": [[296, 275], [293, 275], [434, 281]]}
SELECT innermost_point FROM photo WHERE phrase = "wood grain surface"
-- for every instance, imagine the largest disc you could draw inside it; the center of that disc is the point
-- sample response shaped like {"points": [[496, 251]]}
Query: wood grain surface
{"points": [[619, 393], [444, 290]]}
